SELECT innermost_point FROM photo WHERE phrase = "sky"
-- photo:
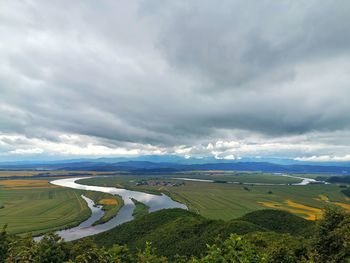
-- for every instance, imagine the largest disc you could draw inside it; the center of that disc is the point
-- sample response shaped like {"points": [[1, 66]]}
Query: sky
{"points": [[226, 79]]}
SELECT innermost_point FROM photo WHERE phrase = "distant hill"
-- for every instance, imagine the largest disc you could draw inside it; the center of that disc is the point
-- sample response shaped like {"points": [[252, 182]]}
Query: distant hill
{"points": [[174, 164], [177, 231], [144, 166], [175, 159]]}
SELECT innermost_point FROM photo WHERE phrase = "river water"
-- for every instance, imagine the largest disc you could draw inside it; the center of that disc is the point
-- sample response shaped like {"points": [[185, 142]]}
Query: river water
{"points": [[303, 180], [154, 202]]}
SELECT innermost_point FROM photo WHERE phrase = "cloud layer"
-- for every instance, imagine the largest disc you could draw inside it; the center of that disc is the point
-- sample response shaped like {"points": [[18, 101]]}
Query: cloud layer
{"points": [[228, 78]]}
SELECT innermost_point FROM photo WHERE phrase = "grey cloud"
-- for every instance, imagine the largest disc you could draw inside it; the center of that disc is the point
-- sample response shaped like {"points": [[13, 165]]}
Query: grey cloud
{"points": [[234, 42], [170, 73]]}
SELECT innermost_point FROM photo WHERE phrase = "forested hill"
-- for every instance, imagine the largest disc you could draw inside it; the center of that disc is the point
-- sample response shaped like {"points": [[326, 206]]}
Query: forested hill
{"points": [[177, 231], [179, 236]]}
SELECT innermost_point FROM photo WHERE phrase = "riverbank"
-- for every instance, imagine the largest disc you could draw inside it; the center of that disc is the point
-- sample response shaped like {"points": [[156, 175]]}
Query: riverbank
{"points": [[154, 202]]}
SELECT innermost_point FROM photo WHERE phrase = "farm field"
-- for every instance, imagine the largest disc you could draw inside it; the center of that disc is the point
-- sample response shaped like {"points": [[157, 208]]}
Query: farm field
{"points": [[36, 206], [228, 201], [224, 201]]}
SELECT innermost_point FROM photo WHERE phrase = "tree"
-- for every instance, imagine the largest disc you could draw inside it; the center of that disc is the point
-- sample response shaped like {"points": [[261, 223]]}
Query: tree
{"points": [[85, 251], [51, 249], [332, 240], [149, 256], [282, 254], [120, 254], [4, 244], [234, 250], [22, 250], [96, 255]]}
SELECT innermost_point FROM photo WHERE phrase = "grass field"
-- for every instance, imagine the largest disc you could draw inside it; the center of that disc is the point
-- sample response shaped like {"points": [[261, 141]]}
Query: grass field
{"points": [[223, 201], [36, 206], [227, 201]]}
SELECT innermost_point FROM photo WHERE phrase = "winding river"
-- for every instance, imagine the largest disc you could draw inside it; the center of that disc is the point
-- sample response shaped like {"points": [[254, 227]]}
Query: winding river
{"points": [[154, 202]]}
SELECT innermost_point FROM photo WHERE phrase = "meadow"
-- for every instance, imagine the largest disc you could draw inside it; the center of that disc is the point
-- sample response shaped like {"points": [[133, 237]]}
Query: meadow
{"points": [[36, 206]]}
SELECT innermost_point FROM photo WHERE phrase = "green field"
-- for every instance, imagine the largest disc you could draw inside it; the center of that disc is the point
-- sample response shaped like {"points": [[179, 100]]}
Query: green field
{"points": [[228, 201], [39, 210], [224, 201]]}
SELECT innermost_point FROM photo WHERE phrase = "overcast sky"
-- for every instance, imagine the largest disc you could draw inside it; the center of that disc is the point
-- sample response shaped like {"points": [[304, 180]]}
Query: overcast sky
{"points": [[196, 78]]}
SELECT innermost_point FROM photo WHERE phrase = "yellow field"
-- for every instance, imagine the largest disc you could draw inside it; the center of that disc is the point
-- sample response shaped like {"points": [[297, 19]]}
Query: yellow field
{"points": [[17, 173], [308, 212], [343, 205], [26, 184], [323, 198], [311, 212], [108, 202]]}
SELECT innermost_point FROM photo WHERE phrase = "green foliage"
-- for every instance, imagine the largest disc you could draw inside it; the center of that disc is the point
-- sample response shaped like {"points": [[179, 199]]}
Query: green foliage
{"points": [[280, 246], [330, 244], [51, 249], [280, 221], [149, 256], [95, 255], [173, 231], [120, 254], [235, 249], [4, 244], [332, 240], [282, 254], [23, 250]]}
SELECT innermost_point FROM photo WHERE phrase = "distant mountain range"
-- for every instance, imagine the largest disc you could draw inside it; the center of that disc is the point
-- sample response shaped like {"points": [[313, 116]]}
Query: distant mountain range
{"points": [[173, 163]]}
